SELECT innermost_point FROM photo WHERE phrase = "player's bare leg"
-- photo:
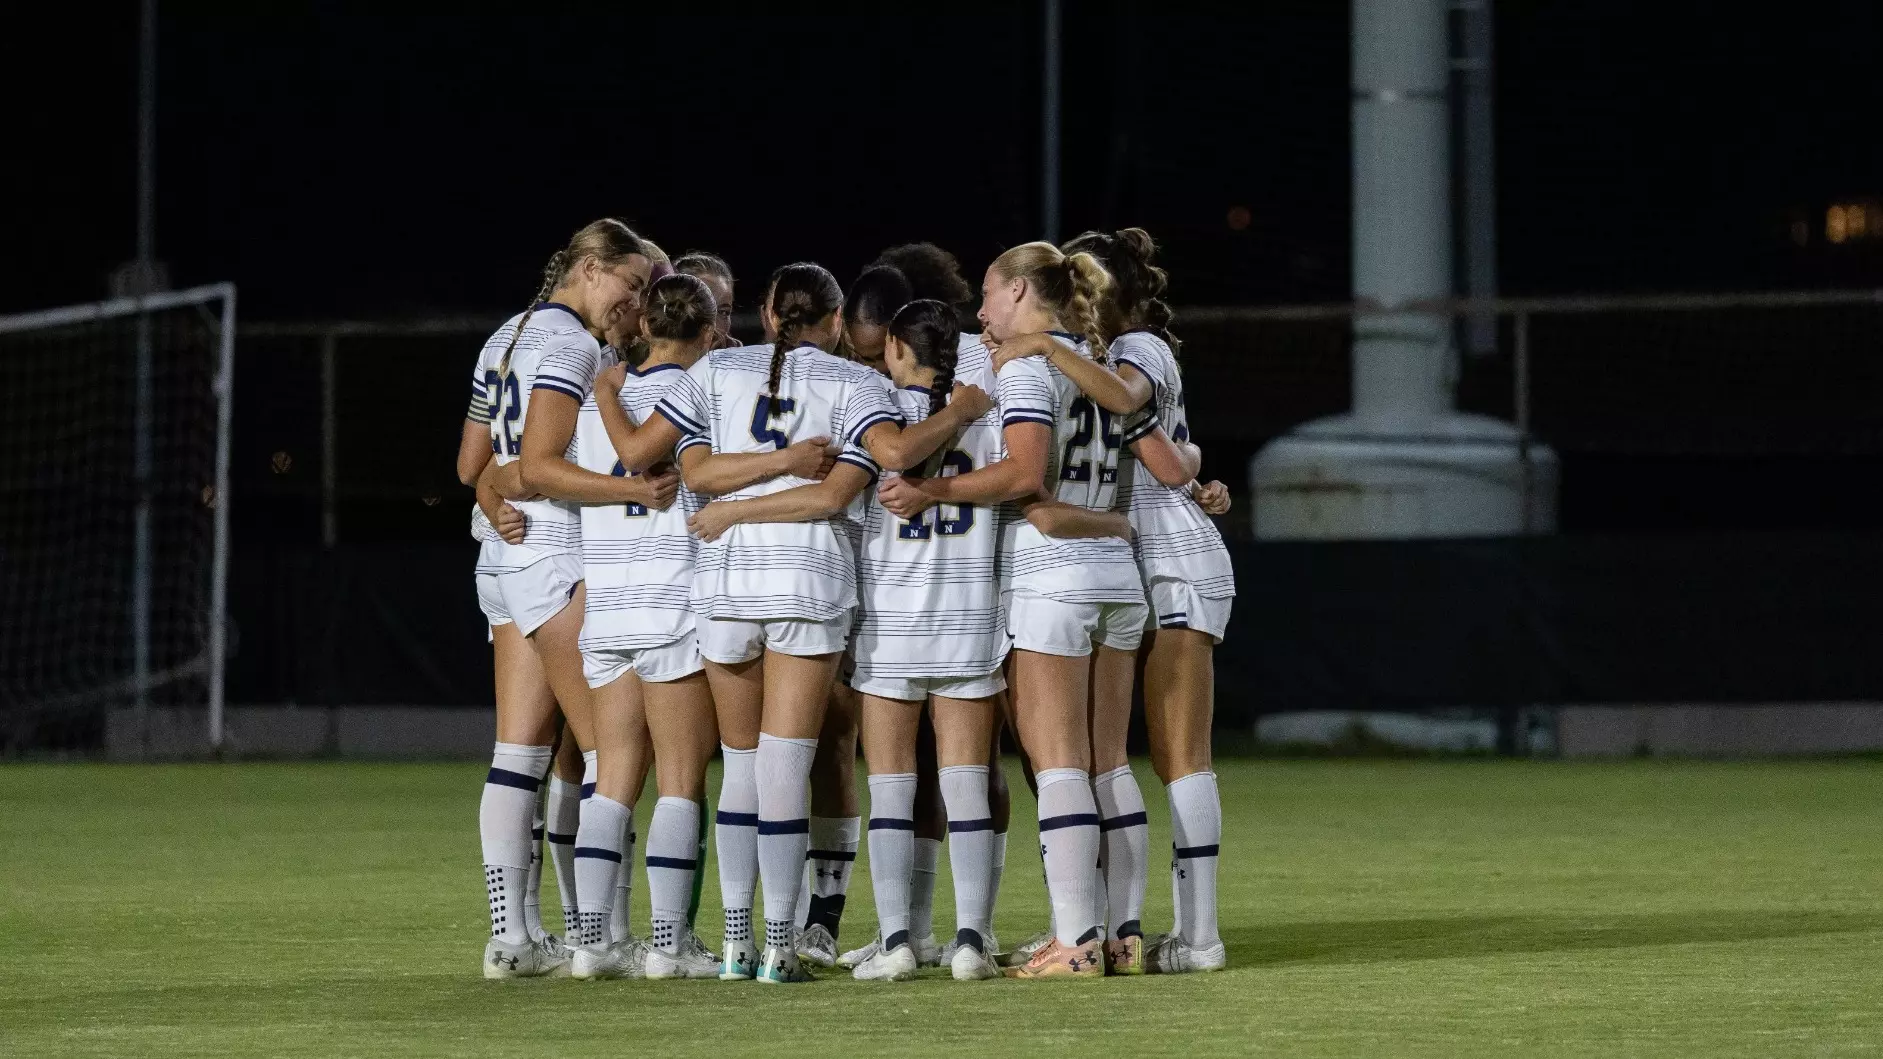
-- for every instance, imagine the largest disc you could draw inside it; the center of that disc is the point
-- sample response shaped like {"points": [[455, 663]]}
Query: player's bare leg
{"points": [[1124, 842], [605, 844], [1055, 730], [889, 747], [684, 732], [835, 830], [964, 731], [797, 694], [738, 704], [1179, 703], [526, 728]]}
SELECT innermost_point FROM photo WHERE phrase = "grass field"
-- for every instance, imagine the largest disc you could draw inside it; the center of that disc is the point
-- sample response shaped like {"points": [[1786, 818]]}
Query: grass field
{"points": [[1402, 908]]}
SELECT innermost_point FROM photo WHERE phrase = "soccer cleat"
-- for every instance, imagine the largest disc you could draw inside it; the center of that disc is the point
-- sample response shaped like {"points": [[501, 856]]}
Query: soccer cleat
{"points": [[897, 965], [691, 961], [970, 964], [1063, 961], [1019, 957], [739, 961], [781, 966], [928, 951], [1170, 954], [1125, 955], [540, 958], [855, 957], [816, 945], [626, 958]]}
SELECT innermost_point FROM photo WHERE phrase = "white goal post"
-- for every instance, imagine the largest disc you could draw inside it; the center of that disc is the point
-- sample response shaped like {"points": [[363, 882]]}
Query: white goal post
{"points": [[114, 511]]}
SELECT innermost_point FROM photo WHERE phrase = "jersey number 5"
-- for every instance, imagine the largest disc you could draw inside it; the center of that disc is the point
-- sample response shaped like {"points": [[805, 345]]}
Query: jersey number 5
{"points": [[918, 529], [762, 415]]}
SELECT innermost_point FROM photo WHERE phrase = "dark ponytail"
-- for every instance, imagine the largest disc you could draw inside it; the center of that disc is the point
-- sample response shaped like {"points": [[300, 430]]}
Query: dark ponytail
{"points": [[801, 295], [679, 306], [1138, 285], [929, 329]]}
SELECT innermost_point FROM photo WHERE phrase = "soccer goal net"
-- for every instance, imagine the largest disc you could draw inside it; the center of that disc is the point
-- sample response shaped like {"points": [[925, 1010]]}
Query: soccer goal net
{"points": [[114, 541]]}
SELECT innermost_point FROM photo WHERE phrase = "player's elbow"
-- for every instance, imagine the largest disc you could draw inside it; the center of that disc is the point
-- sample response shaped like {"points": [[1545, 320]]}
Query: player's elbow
{"points": [[467, 475]]}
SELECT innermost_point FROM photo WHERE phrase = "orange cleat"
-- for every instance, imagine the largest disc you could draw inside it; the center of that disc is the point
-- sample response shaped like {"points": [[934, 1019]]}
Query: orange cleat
{"points": [[1063, 961]]}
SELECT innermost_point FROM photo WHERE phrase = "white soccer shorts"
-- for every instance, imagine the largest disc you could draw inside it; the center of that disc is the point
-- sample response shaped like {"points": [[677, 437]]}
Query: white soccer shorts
{"points": [[1051, 627], [1176, 605], [918, 689], [730, 641], [530, 596], [654, 665]]}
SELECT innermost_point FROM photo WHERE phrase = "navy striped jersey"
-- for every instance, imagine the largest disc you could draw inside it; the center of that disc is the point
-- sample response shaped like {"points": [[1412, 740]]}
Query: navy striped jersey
{"points": [[1081, 469], [638, 561], [778, 571], [929, 598], [553, 352], [1176, 541]]}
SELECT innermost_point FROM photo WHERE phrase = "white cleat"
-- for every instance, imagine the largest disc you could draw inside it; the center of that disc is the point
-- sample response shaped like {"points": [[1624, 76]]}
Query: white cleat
{"points": [[970, 964], [1170, 954], [855, 957], [928, 951], [693, 960], [626, 958], [739, 962], [896, 965], [781, 966], [989, 944], [816, 945], [1023, 955], [539, 958]]}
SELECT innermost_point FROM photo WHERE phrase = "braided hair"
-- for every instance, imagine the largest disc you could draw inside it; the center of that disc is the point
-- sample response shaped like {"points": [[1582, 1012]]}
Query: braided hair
{"points": [[801, 295], [929, 329], [1071, 286], [608, 240], [1138, 286]]}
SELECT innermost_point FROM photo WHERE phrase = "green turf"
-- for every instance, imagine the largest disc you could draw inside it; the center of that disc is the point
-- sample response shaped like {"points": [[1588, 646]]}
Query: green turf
{"points": [[1399, 908]]}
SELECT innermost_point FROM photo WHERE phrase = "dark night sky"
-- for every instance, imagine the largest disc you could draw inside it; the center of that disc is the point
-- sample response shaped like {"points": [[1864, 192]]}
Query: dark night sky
{"points": [[370, 165]]}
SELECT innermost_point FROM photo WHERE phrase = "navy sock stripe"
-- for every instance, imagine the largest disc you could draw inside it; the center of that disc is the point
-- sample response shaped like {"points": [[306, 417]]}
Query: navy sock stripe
{"points": [[598, 853], [887, 823], [956, 827], [831, 854], [1192, 852], [737, 819], [522, 781], [536, 833], [785, 827], [1127, 820], [561, 840], [673, 862], [588, 790], [1054, 823]]}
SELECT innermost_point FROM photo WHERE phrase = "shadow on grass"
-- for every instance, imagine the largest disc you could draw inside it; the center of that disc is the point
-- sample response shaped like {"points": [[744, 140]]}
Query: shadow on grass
{"points": [[1381, 940]]}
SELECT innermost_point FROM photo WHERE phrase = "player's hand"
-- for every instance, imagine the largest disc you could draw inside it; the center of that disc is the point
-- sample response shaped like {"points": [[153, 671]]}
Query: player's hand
{"points": [[652, 490], [810, 458], [612, 379], [511, 524], [713, 520], [1213, 498], [969, 401], [1037, 344], [903, 496]]}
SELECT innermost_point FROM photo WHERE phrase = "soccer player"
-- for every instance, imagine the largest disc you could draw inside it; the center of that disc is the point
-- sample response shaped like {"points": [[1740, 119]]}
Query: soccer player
{"points": [[1078, 610], [1187, 571], [712, 270], [532, 591]]}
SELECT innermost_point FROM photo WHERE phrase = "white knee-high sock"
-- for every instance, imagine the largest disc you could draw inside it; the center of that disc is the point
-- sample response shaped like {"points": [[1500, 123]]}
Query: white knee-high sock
{"points": [[827, 869], [533, 903], [782, 769], [1124, 848], [922, 887], [1196, 831], [999, 874], [970, 851], [503, 826], [562, 817], [1069, 846], [600, 842], [892, 853], [672, 861], [736, 832]]}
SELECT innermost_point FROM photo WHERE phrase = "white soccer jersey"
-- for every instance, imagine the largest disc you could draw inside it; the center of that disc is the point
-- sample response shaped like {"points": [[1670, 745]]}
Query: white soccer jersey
{"points": [[479, 412], [554, 351], [637, 561], [1175, 539], [1081, 469], [929, 600], [777, 571]]}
